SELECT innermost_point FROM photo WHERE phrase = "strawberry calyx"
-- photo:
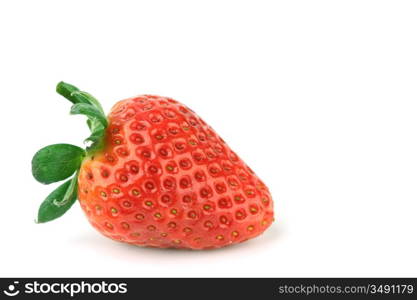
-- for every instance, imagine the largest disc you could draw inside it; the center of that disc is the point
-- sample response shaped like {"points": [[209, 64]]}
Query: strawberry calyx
{"points": [[57, 162], [89, 106]]}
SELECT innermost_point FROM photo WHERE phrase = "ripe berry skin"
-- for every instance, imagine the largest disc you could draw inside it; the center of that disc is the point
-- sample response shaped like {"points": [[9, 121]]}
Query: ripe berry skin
{"points": [[165, 179]]}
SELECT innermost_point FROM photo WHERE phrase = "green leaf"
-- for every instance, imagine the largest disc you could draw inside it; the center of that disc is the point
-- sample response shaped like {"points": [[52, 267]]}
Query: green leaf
{"points": [[97, 132], [73, 94], [86, 104], [90, 111], [96, 138], [66, 90], [59, 201], [84, 97], [56, 162]]}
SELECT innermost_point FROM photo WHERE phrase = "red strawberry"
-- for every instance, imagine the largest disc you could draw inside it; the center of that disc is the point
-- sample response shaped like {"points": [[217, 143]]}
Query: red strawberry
{"points": [[157, 175]]}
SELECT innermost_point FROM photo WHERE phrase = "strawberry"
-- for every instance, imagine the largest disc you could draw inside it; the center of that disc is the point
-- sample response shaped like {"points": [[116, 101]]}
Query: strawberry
{"points": [[154, 174]]}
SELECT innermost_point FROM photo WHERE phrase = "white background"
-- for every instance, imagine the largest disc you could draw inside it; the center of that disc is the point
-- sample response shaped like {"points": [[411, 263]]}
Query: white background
{"points": [[319, 97]]}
